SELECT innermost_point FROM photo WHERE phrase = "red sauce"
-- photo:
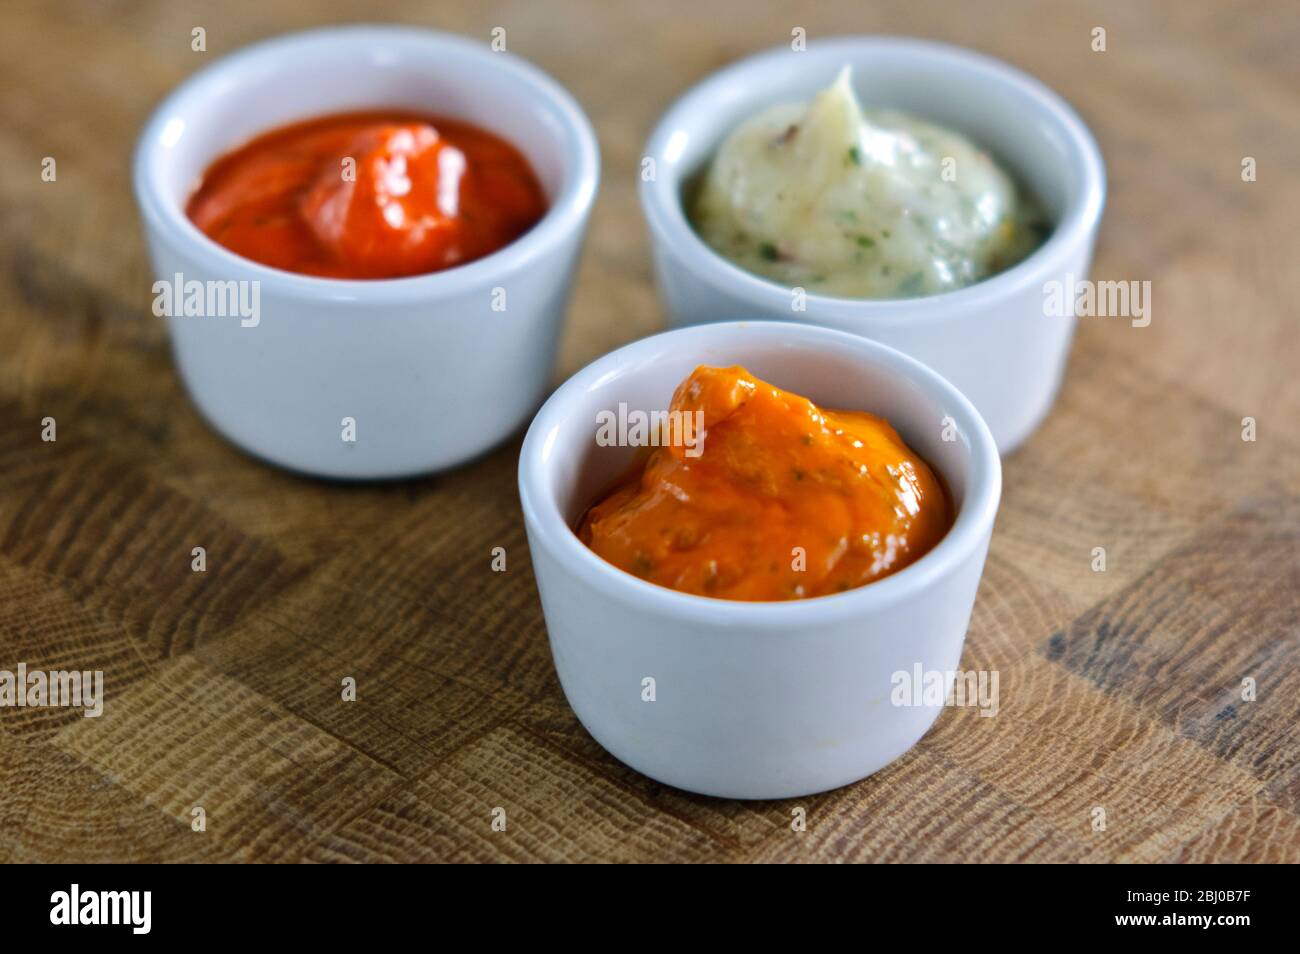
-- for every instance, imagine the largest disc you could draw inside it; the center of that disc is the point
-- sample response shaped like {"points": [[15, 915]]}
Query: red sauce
{"points": [[369, 195]]}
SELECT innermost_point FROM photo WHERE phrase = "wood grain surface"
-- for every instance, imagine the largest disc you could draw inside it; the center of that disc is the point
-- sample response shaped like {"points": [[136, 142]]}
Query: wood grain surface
{"points": [[1120, 690]]}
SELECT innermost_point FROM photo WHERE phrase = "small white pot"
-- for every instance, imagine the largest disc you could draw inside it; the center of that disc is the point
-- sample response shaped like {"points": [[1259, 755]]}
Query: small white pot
{"points": [[752, 700], [991, 339], [429, 368]]}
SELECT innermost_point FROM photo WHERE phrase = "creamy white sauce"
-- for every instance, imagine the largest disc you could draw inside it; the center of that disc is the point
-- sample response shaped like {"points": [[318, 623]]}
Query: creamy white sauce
{"points": [[862, 203]]}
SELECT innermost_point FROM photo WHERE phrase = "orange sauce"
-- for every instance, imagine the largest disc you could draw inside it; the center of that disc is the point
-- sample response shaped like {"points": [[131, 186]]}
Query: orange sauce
{"points": [[783, 500], [369, 195]]}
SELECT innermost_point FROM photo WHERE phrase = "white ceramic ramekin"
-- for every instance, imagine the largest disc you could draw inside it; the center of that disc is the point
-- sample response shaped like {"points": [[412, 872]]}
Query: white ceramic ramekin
{"points": [[752, 700], [431, 369], [991, 339]]}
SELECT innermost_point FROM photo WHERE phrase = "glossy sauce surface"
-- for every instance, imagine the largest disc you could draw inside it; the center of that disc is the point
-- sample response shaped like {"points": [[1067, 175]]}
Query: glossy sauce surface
{"points": [[785, 501], [369, 195]]}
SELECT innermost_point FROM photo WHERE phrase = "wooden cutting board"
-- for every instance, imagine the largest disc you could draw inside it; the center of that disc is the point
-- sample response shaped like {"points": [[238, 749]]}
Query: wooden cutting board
{"points": [[1121, 690]]}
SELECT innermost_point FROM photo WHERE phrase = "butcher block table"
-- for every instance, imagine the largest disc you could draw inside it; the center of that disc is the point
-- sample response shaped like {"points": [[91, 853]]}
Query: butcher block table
{"points": [[1127, 728]]}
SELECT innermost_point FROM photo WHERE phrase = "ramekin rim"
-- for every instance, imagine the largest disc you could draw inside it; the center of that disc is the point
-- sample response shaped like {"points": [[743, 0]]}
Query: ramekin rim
{"points": [[974, 520], [662, 207], [566, 213]]}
